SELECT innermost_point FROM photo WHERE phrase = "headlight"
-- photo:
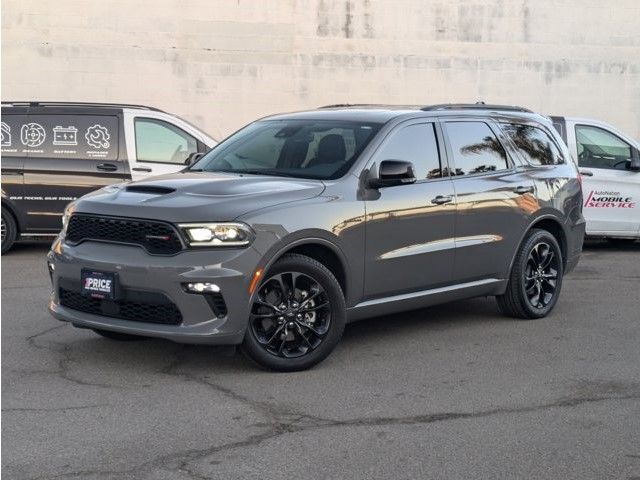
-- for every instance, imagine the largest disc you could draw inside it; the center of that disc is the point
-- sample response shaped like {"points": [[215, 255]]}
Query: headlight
{"points": [[217, 234]]}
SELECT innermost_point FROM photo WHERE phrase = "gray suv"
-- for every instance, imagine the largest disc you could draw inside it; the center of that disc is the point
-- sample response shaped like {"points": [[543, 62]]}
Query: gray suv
{"points": [[302, 222]]}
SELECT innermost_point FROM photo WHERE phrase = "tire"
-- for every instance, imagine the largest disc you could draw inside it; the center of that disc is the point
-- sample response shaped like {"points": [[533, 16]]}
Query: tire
{"points": [[9, 230], [293, 329], [120, 337], [525, 281]]}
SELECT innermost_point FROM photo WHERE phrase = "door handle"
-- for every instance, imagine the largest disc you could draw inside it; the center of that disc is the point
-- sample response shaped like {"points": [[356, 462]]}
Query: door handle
{"points": [[141, 169], [107, 167], [521, 189], [585, 173], [442, 199]]}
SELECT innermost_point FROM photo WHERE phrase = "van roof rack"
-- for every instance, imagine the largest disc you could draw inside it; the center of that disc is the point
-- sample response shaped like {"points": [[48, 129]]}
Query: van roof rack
{"points": [[79, 104], [475, 106]]}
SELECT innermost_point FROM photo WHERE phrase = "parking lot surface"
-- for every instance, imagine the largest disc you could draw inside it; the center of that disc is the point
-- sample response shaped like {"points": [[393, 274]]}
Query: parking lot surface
{"points": [[454, 391]]}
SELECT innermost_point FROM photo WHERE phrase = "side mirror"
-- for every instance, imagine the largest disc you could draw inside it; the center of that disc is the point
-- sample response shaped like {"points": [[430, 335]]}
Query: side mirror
{"points": [[392, 173], [193, 158], [634, 166]]}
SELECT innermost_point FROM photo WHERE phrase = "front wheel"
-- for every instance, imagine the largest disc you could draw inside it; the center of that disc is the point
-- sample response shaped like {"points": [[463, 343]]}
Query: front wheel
{"points": [[9, 230], [297, 316], [535, 279]]}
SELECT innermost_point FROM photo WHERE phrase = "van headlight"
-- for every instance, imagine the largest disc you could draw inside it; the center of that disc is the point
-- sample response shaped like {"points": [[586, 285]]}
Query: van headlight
{"points": [[217, 234]]}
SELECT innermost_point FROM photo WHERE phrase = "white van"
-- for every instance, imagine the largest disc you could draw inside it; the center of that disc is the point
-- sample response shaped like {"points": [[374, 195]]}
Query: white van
{"points": [[609, 162]]}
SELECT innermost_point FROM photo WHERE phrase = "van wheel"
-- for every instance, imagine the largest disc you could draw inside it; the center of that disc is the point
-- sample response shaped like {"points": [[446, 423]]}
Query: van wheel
{"points": [[9, 230], [297, 316], [121, 337], [536, 277]]}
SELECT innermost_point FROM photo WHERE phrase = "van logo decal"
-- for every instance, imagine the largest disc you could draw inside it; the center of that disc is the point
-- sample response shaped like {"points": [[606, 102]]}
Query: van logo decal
{"points": [[606, 199]]}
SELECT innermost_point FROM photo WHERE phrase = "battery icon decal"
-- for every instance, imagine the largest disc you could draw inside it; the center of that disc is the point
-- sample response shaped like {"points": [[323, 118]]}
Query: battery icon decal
{"points": [[65, 135]]}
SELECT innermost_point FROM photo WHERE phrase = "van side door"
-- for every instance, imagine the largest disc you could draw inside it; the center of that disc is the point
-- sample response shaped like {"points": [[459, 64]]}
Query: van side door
{"points": [[13, 160], [69, 155], [611, 188]]}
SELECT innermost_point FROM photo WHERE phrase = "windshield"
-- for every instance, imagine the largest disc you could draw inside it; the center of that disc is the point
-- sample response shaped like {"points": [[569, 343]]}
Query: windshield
{"points": [[321, 149]]}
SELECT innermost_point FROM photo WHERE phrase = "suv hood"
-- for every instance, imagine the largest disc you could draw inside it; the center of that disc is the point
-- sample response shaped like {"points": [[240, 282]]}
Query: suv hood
{"points": [[197, 196]]}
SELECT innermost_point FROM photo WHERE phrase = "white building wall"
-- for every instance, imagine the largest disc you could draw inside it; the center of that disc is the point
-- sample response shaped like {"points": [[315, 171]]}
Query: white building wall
{"points": [[222, 63]]}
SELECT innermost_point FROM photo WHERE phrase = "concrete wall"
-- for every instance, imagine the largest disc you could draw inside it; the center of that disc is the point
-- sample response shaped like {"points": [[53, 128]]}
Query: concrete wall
{"points": [[222, 63]]}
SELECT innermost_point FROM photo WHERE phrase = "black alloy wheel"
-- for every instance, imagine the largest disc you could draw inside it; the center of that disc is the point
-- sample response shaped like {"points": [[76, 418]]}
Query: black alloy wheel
{"points": [[297, 315], [541, 275], [535, 279], [291, 315]]}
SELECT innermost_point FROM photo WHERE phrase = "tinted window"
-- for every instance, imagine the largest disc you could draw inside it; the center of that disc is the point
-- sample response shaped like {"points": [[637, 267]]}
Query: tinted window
{"points": [[598, 148], [61, 136], [416, 144], [322, 149], [534, 143], [475, 148], [158, 141]]}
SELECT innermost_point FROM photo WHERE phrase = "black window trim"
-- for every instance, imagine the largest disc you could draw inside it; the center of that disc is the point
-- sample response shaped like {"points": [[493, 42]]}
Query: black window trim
{"points": [[199, 144], [511, 163]]}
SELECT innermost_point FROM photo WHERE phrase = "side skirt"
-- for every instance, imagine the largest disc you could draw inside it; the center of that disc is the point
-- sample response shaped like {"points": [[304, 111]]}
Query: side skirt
{"points": [[425, 298]]}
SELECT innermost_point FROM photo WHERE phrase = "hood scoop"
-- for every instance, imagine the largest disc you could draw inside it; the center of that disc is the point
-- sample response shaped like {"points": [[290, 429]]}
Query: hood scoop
{"points": [[152, 189]]}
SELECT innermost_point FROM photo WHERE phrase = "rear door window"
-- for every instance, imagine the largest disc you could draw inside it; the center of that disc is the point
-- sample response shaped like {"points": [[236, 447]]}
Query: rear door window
{"points": [[534, 144], [476, 149], [160, 142], [68, 136], [599, 148]]}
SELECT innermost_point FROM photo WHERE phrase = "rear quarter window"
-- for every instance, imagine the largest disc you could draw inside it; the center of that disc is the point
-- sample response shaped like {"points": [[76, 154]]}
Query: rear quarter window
{"points": [[68, 136], [535, 145]]}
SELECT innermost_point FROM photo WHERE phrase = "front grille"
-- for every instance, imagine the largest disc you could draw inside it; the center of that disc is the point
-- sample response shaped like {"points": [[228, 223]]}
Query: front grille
{"points": [[156, 237], [148, 307]]}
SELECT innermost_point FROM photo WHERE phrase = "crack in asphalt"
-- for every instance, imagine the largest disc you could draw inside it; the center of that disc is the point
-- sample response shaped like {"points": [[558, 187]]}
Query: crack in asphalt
{"points": [[64, 363], [53, 409], [281, 420]]}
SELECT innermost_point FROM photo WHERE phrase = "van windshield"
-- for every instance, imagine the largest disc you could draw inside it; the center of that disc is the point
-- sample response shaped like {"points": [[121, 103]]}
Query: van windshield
{"points": [[319, 149]]}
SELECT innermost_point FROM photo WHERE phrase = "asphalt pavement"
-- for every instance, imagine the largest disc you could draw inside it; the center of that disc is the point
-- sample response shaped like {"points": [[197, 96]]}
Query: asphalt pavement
{"points": [[451, 392]]}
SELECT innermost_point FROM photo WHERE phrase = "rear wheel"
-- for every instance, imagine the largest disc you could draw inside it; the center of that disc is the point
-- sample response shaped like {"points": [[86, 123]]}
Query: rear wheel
{"points": [[121, 337], [9, 230], [535, 279], [297, 316]]}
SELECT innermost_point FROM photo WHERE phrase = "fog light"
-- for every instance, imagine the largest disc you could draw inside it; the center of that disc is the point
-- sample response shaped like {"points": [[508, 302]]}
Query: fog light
{"points": [[201, 287]]}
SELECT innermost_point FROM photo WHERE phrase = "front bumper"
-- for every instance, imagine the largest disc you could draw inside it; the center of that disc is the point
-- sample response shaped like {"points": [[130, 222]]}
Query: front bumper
{"points": [[229, 269]]}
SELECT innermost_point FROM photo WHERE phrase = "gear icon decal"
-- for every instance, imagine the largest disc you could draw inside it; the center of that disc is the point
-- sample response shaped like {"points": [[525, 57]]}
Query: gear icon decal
{"points": [[32, 134], [97, 136]]}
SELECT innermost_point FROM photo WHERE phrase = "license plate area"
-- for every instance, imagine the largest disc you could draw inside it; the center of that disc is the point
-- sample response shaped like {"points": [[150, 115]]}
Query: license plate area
{"points": [[97, 284]]}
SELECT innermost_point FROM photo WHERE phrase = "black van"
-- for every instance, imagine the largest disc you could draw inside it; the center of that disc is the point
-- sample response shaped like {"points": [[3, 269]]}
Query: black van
{"points": [[54, 152]]}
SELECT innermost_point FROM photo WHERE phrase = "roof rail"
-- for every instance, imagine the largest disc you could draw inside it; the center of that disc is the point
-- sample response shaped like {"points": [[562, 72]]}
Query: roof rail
{"points": [[475, 106], [79, 104], [345, 105]]}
